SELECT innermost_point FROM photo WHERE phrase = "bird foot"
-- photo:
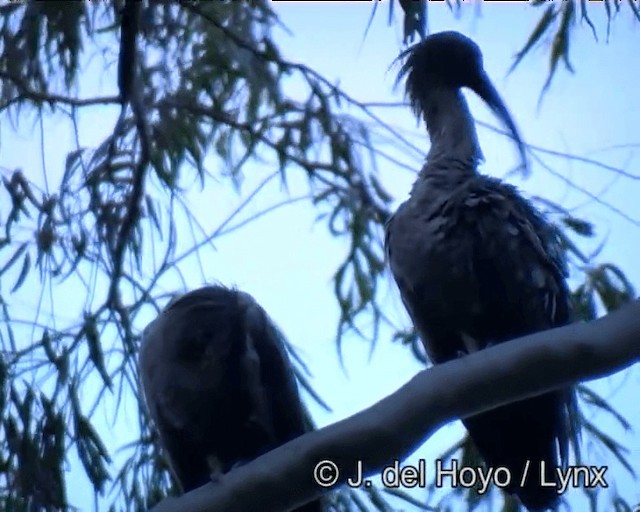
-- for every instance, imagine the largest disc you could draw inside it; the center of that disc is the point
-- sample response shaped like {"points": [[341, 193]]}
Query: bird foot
{"points": [[216, 472], [239, 464], [470, 344]]}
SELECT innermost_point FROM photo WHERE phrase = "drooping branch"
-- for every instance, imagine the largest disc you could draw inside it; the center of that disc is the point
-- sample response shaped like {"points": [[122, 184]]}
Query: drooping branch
{"points": [[130, 92], [394, 427]]}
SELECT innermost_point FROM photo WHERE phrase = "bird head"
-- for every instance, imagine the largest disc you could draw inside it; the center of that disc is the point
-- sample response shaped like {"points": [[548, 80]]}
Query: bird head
{"points": [[450, 60], [196, 335]]}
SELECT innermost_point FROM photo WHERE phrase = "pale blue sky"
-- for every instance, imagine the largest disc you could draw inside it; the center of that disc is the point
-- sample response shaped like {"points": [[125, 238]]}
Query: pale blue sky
{"points": [[286, 261]]}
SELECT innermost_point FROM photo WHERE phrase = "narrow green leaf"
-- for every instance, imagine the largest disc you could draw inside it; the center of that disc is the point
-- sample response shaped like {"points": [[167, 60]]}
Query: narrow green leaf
{"points": [[95, 349], [73, 158], [153, 214], [634, 8], [614, 447], [579, 226], [593, 398], [24, 272], [627, 287], [584, 305], [16, 255], [560, 44], [542, 26]]}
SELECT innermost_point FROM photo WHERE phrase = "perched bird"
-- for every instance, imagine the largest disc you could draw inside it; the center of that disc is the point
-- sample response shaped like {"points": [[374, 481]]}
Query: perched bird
{"points": [[219, 385], [476, 264]]}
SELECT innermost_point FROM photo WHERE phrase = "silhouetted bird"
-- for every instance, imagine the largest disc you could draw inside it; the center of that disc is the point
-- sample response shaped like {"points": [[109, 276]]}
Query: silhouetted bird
{"points": [[219, 385], [476, 264]]}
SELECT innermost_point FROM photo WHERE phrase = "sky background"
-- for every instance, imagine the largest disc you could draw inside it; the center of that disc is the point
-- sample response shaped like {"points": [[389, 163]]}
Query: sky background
{"points": [[286, 260]]}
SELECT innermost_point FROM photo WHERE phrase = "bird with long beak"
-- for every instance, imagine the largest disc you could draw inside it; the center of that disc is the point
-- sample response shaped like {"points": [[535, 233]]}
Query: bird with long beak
{"points": [[219, 385], [477, 265]]}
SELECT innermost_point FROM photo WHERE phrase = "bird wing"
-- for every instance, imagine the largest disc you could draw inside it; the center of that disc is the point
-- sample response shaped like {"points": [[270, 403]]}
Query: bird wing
{"points": [[168, 405], [277, 377], [473, 254], [517, 258]]}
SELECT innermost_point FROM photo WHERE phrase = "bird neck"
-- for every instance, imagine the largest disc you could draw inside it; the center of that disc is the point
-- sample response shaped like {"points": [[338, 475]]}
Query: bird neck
{"points": [[454, 141]]}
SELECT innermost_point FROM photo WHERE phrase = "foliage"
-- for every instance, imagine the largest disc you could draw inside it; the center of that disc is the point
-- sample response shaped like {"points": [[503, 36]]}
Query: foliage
{"points": [[113, 217]]}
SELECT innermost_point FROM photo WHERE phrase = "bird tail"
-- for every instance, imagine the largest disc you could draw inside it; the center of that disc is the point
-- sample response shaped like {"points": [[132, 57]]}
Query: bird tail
{"points": [[521, 436]]}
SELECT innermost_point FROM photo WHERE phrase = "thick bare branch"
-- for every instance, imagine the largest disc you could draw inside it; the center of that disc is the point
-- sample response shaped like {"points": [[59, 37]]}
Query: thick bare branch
{"points": [[394, 427]]}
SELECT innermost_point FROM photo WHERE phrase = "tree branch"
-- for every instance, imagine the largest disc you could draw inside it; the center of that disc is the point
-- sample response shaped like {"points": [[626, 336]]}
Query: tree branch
{"points": [[27, 93], [281, 480]]}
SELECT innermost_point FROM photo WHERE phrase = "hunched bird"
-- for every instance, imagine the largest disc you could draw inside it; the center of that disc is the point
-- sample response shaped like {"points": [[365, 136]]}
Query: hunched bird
{"points": [[219, 385], [476, 264]]}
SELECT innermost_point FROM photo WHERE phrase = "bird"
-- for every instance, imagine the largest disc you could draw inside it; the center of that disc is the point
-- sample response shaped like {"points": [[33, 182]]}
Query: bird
{"points": [[477, 264], [218, 385]]}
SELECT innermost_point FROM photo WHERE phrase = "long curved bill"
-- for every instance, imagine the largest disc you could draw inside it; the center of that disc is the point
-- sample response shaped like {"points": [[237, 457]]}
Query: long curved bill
{"points": [[485, 89]]}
